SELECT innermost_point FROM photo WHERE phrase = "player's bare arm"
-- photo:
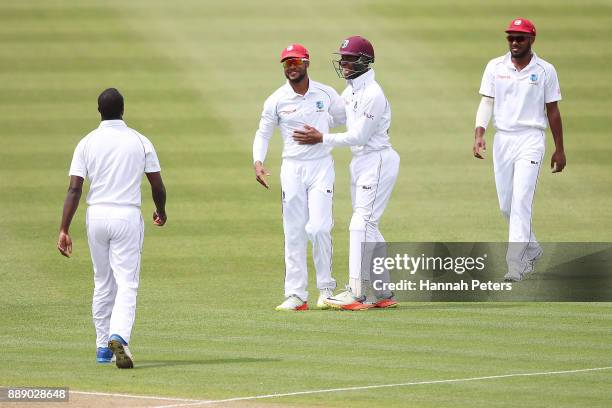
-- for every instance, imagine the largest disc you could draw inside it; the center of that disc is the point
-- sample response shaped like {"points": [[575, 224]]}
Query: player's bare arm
{"points": [[71, 203], [557, 161], [158, 190], [483, 116], [261, 173], [308, 136]]}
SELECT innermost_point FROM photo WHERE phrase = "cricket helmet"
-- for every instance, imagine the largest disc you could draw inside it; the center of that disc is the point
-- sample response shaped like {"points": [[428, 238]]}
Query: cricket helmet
{"points": [[359, 47]]}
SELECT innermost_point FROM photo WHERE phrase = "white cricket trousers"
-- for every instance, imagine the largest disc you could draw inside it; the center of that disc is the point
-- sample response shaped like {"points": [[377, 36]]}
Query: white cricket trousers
{"points": [[307, 195], [115, 235], [373, 176], [517, 158]]}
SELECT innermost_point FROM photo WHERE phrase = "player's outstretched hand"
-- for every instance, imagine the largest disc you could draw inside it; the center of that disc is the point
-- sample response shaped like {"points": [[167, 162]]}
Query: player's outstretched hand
{"points": [[159, 219], [309, 135], [557, 161], [64, 244], [261, 173], [480, 146]]}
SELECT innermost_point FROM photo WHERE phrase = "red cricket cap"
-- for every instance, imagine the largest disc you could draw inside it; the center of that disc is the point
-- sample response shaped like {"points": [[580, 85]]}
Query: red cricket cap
{"points": [[521, 25], [294, 51]]}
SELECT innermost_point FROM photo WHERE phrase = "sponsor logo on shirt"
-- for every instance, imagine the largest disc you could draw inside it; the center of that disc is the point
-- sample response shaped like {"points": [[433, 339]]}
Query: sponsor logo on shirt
{"points": [[368, 116], [499, 76], [366, 187], [287, 112]]}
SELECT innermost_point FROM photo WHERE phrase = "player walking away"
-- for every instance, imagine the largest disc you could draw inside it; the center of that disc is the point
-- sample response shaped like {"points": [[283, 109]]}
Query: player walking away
{"points": [[113, 158], [307, 174], [374, 166], [521, 90]]}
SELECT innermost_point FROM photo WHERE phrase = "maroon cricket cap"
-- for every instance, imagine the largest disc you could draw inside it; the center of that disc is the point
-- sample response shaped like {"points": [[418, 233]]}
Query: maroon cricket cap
{"points": [[521, 25], [356, 45], [294, 51]]}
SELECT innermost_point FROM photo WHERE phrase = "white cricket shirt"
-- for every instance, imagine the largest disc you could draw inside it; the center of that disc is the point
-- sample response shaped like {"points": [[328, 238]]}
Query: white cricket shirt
{"points": [[321, 107], [113, 158], [520, 96], [368, 117]]}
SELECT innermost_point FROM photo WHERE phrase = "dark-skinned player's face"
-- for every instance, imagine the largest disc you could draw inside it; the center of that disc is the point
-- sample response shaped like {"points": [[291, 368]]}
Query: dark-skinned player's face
{"points": [[348, 66], [295, 69], [519, 44]]}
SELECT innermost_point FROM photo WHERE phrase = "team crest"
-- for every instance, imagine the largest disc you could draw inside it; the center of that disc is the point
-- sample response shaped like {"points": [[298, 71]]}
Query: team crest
{"points": [[518, 22], [345, 44], [289, 48], [533, 77], [319, 104]]}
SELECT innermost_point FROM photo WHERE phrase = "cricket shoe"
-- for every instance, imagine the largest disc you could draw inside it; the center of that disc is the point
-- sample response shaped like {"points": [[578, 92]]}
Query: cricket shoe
{"points": [[292, 303], [513, 276], [104, 355], [348, 301], [325, 294], [528, 268], [119, 347], [386, 302]]}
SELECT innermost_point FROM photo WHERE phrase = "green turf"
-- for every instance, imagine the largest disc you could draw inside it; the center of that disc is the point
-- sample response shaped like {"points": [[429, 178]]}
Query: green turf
{"points": [[194, 75]]}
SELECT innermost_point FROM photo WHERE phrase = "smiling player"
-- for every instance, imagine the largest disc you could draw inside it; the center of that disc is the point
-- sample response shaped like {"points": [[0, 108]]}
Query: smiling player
{"points": [[307, 174]]}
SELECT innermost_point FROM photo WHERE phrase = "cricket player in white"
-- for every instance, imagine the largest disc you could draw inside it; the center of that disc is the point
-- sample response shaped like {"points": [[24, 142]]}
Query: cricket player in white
{"points": [[521, 91], [307, 175], [374, 167], [113, 158]]}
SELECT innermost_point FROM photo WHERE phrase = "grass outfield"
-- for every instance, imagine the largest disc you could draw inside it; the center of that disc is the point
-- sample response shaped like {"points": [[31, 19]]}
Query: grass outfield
{"points": [[195, 75]]}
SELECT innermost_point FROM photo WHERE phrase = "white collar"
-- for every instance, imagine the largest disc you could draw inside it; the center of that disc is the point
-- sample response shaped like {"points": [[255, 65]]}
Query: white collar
{"points": [[362, 80], [114, 122], [509, 64], [292, 92]]}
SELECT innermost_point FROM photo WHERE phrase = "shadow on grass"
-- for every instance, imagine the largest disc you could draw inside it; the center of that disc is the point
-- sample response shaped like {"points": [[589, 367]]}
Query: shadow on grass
{"points": [[212, 361]]}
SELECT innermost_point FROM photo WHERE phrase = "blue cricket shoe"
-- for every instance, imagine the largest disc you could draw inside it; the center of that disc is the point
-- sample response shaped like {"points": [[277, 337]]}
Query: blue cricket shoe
{"points": [[104, 355]]}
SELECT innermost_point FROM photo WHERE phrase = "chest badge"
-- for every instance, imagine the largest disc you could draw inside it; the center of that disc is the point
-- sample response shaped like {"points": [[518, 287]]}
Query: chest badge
{"points": [[320, 105]]}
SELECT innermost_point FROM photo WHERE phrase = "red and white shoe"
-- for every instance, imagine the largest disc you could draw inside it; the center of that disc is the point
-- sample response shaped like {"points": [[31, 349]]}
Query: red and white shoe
{"points": [[348, 301], [386, 303], [291, 304]]}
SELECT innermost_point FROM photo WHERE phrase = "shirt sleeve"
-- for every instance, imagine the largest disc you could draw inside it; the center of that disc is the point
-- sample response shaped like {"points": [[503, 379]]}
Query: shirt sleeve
{"points": [[78, 167], [151, 160], [337, 110], [368, 118], [267, 123], [552, 90], [487, 85]]}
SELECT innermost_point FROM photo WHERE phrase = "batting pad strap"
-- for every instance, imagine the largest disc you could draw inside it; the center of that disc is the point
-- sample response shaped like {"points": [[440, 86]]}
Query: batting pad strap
{"points": [[485, 111], [357, 223]]}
